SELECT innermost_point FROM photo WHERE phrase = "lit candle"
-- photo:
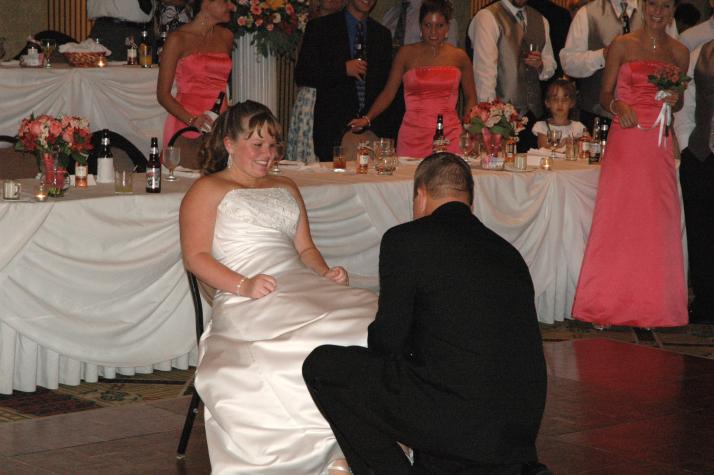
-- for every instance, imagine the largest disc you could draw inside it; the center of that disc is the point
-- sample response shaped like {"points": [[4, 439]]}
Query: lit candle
{"points": [[41, 193], [102, 61]]}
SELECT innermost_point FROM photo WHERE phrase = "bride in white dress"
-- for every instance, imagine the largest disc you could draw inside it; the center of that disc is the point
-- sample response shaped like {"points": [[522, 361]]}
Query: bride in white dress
{"points": [[246, 233]]}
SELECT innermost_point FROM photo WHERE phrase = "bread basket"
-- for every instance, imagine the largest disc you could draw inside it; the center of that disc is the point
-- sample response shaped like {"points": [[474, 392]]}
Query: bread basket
{"points": [[83, 59]]}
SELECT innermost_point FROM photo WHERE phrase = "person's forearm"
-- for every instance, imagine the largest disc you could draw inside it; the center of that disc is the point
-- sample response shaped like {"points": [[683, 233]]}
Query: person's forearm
{"points": [[380, 104], [314, 261], [175, 108], [207, 269]]}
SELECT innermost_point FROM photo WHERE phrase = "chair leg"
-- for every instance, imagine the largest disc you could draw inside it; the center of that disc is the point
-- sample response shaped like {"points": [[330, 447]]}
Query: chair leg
{"points": [[188, 425]]}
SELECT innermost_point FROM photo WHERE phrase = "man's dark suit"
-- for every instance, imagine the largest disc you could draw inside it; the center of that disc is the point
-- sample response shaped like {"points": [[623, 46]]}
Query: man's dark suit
{"points": [[321, 64], [455, 365]]}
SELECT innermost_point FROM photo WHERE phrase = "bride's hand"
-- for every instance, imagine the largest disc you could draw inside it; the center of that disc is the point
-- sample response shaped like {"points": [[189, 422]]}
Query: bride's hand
{"points": [[337, 274], [258, 286]]}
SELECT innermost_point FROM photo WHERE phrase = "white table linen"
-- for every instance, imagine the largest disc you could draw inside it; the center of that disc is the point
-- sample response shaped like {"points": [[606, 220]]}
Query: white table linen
{"points": [[93, 284], [117, 97]]}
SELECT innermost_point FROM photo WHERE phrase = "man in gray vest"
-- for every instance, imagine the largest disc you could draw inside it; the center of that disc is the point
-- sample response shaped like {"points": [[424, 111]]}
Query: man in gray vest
{"points": [[593, 28], [512, 54], [694, 125]]}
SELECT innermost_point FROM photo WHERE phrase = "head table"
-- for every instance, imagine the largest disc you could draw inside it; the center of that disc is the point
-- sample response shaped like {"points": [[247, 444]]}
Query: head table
{"points": [[92, 284], [117, 97]]}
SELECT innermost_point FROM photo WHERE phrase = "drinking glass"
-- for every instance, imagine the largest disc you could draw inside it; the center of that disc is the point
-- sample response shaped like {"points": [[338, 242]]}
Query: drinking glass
{"points": [[123, 181], [339, 160], [553, 141], [466, 144], [171, 157], [48, 47], [275, 163]]}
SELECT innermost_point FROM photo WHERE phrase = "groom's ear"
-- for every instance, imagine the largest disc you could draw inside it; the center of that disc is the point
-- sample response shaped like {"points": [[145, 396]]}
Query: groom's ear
{"points": [[419, 204]]}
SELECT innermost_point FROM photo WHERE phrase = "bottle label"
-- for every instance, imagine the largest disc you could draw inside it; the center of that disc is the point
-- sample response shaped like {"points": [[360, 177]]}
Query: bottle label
{"points": [[153, 178], [131, 53], [363, 160], [595, 148]]}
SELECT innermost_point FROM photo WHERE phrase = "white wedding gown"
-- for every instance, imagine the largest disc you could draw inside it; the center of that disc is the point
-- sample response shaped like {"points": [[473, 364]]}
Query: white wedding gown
{"points": [[260, 418]]}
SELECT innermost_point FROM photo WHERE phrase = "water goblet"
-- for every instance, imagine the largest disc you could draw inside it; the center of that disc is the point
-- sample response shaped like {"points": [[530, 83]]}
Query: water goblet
{"points": [[466, 144], [48, 47], [171, 157], [275, 163], [553, 141]]}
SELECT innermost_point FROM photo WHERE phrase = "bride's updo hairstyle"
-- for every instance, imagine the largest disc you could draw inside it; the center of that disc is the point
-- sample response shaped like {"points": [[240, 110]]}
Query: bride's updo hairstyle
{"points": [[436, 6], [245, 117]]}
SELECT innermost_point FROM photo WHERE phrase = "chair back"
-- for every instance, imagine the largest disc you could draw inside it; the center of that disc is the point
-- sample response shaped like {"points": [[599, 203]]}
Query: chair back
{"points": [[14, 164], [119, 142], [197, 305]]}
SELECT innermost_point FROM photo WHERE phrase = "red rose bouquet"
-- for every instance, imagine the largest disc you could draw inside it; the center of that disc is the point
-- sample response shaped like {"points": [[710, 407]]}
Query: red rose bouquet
{"points": [[666, 78], [277, 25]]}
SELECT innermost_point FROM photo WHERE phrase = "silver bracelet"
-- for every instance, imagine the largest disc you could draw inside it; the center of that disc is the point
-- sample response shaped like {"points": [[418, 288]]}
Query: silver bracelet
{"points": [[237, 292], [369, 122], [614, 99]]}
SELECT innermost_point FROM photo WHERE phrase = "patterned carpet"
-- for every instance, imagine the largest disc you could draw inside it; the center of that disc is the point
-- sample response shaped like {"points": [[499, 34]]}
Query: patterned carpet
{"points": [[696, 340]]}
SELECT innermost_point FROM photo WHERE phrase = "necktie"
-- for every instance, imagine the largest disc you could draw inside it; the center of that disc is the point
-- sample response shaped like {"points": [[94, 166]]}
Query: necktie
{"points": [[401, 29], [625, 18], [521, 19], [360, 53]]}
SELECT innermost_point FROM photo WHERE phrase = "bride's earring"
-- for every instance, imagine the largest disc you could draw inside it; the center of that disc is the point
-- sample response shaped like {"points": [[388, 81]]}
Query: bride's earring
{"points": [[229, 162]]}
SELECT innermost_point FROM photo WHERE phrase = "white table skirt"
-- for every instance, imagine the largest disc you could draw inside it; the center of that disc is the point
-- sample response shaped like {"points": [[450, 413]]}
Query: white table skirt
{"points": [[92, 284], [120, 98]]}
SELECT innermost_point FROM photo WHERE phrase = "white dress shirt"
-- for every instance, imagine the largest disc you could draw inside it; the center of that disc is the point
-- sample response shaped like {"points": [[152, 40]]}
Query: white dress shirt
{"points": [[127, 10], [412, 31], [684, 118], [698, 35], [576, 59], [483, 33]]}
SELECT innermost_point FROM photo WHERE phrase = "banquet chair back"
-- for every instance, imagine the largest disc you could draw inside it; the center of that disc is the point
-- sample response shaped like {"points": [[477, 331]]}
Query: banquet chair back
{"points": [[59, 37], [189, 147], [14, 164], [121, 147], [195, 398]]}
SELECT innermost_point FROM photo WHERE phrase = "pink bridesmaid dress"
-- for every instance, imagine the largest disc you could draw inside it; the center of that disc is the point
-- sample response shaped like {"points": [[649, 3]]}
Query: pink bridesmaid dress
{"points": [[428, 92], [633, 272], [199, 78]]}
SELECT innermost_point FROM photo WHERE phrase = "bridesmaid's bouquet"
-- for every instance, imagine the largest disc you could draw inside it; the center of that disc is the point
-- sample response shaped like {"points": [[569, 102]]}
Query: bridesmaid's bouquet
{"points": [[667, 77], [65, 136], [495, 117]]}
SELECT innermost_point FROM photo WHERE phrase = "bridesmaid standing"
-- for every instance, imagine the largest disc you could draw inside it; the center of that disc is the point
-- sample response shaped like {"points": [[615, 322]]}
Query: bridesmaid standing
{"points": [[633, 270]]}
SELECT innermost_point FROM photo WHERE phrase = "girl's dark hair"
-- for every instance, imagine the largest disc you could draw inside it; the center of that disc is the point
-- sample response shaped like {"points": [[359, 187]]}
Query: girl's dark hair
{"points": [[565, 84], [196, 6], [436, 6], [248, 116]]}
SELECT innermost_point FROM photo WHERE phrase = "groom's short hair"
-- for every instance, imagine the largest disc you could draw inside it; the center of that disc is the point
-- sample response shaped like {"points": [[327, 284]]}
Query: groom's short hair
{"points": [[444, 174]]}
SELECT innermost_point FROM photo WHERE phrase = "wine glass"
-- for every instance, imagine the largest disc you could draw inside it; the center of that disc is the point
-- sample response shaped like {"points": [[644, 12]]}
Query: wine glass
{"points": [[171, 157], [275, 163], [553, 141], [466, 144], [48, 47]]}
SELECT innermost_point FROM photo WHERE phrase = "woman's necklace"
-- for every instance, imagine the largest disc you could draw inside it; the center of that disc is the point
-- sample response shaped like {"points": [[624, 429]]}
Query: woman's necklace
{"points": [[654, 41]]}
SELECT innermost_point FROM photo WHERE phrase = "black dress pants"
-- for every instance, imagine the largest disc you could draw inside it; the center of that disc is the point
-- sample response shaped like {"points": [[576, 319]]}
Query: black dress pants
{"points": [[697, 180], [346, 384]]}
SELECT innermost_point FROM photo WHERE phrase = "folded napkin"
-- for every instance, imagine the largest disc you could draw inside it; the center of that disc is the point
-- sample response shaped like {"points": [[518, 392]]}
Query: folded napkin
{"points": [[410, 160], [91, 181], [12, 62], [86, 46], [186, 172], [535, 154], [293, 164]]}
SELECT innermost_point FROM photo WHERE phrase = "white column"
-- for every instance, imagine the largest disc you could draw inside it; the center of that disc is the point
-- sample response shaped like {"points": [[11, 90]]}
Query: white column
{"points": [[255, 77]]}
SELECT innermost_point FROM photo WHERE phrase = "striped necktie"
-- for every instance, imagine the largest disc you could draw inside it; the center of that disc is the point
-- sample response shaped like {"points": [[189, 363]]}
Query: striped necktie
{"points": [[521, 19], [361, 87], [625, 18]]}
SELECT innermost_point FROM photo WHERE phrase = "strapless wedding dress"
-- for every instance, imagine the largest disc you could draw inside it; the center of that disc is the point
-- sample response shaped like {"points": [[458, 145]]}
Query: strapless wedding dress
{"points": [[260, 418]]}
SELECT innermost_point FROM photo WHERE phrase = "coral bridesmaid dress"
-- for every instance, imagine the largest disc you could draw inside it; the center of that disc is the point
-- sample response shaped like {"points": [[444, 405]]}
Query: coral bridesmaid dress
{"points": [[199, 78], [428, 92], [633, 271]]}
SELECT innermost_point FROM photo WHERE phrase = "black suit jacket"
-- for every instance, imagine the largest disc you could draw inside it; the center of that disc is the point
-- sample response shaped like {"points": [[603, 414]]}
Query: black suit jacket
{"points": [[458, 327], [321, 64]]}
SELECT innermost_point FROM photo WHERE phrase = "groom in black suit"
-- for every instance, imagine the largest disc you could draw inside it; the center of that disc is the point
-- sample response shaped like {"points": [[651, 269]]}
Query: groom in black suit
{"points": [[454, 367], [327, 63]]}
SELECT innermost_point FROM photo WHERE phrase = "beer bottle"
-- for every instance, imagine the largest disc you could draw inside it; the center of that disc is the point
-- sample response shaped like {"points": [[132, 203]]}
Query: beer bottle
{"points": [[105, 160], [131, 51], [145, 50], [439, 143], [214, 112], [362, 162], [153, 168], [161, 42], [595, 150]]}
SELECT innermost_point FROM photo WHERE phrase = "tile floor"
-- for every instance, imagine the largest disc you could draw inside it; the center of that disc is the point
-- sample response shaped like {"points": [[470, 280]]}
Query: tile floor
{"points": [[613, 408]]}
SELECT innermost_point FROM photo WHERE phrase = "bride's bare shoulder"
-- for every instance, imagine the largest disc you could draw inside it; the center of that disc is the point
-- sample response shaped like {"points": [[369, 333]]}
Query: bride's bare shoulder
{"points": [[209, 189]]}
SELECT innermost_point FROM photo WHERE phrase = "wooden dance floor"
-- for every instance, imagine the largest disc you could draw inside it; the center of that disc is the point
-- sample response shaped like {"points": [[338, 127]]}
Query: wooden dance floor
{"points": [[613, 408]]}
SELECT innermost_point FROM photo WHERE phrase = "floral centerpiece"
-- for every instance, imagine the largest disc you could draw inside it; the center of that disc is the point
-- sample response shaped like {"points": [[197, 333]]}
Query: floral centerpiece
{"points": [[54, 141], [276, 25], [494, 121], [666, 78]]}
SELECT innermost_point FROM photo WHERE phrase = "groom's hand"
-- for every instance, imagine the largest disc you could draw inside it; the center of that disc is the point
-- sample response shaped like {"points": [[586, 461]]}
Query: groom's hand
{"points": [[338, 274], [258, 286]]}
